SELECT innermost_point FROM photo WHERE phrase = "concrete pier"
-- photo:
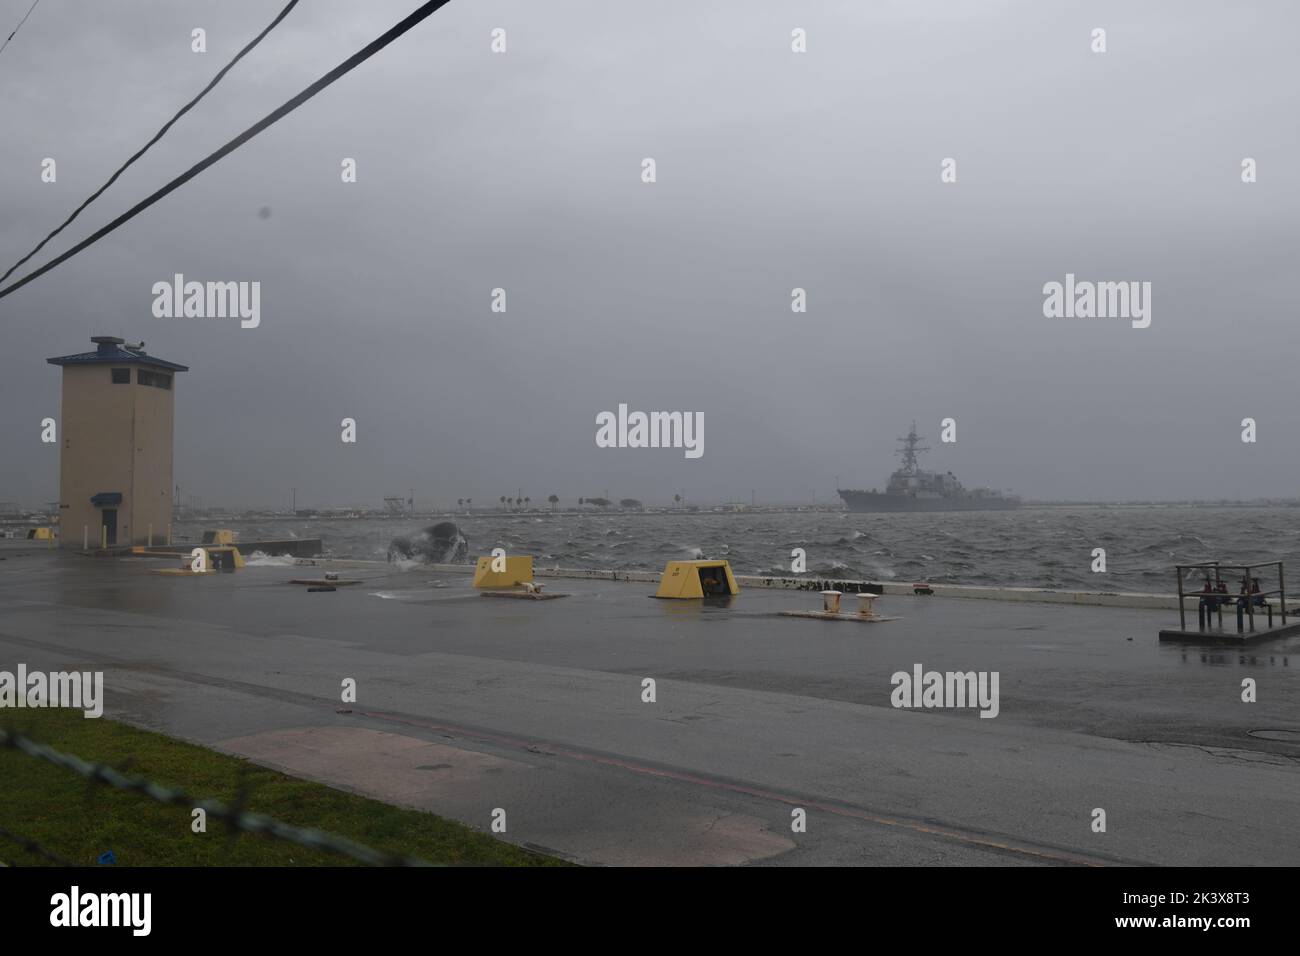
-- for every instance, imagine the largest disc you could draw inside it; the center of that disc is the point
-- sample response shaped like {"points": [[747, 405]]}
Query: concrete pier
{"points": [[466, 705], [853, 586], [290, 547]]}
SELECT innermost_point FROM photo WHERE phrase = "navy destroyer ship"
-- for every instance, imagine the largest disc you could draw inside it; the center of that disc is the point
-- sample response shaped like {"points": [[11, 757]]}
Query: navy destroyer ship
{"points": [[911, 489]]}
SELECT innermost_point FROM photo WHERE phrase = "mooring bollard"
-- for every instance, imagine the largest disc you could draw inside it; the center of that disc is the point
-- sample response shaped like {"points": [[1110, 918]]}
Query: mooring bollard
{"points": [[866, 604], [831, 602]]}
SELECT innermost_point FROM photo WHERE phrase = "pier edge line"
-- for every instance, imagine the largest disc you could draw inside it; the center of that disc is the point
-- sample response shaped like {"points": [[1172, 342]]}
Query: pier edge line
{"points": [[1129, 599]]}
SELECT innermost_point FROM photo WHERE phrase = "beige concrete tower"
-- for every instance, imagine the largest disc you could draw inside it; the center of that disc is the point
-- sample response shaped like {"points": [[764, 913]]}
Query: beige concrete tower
{"points": [[115, 474]]}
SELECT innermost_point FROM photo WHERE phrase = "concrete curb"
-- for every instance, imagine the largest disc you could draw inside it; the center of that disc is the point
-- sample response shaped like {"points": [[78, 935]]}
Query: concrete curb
{"points": [[1039, 595]]}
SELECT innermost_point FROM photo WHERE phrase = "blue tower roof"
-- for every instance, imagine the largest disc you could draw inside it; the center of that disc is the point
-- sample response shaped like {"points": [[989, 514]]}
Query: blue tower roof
{"points": [[110, 350]]}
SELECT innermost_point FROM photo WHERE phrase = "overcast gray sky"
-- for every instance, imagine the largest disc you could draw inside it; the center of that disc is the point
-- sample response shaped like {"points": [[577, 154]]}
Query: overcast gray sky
{"points": [[775, 170]]}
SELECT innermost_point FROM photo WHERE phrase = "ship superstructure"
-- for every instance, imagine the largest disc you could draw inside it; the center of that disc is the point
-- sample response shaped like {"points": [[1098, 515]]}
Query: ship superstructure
{"points": [[911, 488]]}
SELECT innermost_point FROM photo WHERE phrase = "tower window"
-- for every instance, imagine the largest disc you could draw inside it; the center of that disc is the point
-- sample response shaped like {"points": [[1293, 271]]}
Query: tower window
{"points": [[156, 379], [121, 376]]}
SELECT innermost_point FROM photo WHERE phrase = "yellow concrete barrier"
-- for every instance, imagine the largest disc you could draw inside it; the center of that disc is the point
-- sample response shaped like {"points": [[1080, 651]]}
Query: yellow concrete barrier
{"points": [[212, 559], [511, 571], [697, 579]]}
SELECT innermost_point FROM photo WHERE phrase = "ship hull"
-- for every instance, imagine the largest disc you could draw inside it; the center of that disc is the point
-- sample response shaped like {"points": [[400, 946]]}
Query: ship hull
{"points": [[874, 501]]}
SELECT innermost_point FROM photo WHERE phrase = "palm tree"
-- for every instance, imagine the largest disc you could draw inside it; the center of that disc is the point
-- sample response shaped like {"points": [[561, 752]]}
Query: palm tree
{"points": [[527, 501], [469, 503], [460, 502], [503, 502], [554, 500], [677, 499]]}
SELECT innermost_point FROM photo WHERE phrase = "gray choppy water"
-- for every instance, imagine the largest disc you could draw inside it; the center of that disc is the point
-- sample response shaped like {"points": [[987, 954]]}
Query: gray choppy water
{"points": [[1034, 547]]}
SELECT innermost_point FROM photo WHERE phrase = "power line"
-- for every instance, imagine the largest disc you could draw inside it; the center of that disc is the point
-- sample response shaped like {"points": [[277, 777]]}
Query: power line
{"points": [[20, 25], [157, 136], [369, 50]]}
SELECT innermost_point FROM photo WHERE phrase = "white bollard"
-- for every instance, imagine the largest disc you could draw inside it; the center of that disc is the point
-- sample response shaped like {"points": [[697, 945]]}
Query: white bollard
{"points": [[831, 602]]}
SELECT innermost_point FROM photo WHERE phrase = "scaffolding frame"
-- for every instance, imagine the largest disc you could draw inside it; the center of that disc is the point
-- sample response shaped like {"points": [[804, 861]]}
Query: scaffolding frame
{"points": [[1248, 576]]}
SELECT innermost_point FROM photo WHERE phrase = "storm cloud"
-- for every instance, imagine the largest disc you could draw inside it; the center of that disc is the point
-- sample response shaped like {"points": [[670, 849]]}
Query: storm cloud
{"points": [[775, 170]]}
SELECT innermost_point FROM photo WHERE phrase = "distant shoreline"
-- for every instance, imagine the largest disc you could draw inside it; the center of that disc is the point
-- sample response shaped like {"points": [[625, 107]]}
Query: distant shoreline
{"points": [[27, 518]]}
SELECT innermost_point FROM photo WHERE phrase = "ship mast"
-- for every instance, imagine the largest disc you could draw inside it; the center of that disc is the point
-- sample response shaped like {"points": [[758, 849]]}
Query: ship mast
{"points": [[911, 445]]}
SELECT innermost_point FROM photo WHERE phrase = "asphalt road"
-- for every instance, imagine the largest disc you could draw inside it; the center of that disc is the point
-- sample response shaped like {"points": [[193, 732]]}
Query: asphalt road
{"points": [[468, 705]]}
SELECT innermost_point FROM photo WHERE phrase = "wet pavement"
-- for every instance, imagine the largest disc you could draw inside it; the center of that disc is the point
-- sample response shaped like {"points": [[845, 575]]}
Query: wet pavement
{"points": [[465, 706]]}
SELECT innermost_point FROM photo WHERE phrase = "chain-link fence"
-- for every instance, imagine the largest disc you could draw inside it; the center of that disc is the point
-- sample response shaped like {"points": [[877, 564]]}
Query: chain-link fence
{"points": [[234, 817]]}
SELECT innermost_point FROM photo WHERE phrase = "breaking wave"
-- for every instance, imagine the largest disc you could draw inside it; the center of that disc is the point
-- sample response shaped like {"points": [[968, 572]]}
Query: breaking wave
{"points": [[1032, 547]]}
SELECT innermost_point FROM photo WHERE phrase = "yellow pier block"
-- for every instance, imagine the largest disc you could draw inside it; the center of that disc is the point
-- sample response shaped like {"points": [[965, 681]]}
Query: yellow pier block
{"points": [[213, 559], [515, 571], [697, 579]]}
